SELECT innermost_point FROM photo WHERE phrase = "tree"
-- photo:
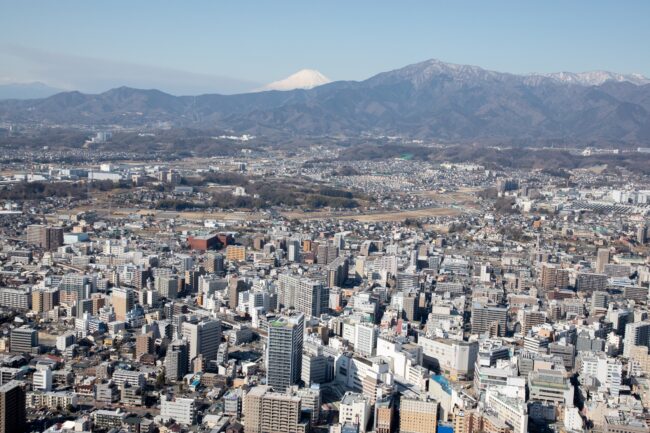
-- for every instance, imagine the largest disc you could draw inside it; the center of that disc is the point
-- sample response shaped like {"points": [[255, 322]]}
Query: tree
{"points": [[160, 379]]}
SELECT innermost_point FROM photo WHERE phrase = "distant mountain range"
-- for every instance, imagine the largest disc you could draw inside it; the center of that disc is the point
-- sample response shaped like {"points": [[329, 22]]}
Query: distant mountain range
{"points": [[428, 100], [27, 91]]}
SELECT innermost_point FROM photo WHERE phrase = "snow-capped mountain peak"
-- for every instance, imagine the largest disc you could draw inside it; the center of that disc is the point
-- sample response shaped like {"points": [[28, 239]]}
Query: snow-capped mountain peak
{"points": [[596, 78], [422, 73], [303, 79]]}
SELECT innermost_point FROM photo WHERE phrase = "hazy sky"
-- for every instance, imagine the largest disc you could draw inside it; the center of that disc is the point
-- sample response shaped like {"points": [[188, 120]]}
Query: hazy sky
{"points": [[231, 46]]}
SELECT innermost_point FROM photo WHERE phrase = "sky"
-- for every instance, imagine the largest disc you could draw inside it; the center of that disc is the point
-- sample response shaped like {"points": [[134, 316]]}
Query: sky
{"points": [[191, 47]]}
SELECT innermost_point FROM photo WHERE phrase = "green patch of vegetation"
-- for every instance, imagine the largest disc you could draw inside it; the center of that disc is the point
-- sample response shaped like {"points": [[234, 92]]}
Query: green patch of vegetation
{"points": [[42, 190]]}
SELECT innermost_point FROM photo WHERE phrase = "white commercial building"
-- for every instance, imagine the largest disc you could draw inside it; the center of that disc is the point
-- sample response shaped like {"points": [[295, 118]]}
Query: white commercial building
{"points": [[65, 340], [452, 358], [181, 410], [365, 339], [608, 371], [42, 379], [355, 409], [511, 410]]}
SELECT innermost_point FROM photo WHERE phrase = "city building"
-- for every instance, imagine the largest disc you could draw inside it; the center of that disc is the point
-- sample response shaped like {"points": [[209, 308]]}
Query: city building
{"points": [[123, 301], [12, 407], [266, 411], [203, 339], [181, 410], [24, 340], [284, 351], [418, 415]]}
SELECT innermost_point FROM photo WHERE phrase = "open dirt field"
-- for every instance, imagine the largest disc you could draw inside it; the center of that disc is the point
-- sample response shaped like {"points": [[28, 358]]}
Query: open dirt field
{"points": [[375, 216], [164, 214], [464, 196]]}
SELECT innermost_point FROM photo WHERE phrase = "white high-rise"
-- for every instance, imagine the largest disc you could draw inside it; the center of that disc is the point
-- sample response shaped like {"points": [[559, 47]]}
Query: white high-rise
{"points": [[365, 339]]}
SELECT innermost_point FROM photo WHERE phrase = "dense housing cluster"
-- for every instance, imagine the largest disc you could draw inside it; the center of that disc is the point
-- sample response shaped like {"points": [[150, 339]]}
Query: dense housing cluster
{"points": [[451, 298]]}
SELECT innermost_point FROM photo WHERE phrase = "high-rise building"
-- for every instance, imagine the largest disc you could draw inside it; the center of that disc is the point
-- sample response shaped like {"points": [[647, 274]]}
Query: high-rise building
{"points": [[293, 250], [48, 238], [284, 351], [306, 295], [168, 286], [411, 306], [365, 339], [44, 299], [326, 253], [15, 298], [418, 416], [214, 263], [599, 302], [636, 334], [203, 338], [530, 319], [186, 263], [140, 277], [553, 277], [337, 272], [642, 234], [602, 258], [236, 253], [266, 411], [339, 240], [177, 360], [13, 416], [235, 287], [74, 287], [123, 301], [53, 238], [506, 184], [487, 318], [144, 344], [192, 280], [316, 366], [34, 234], [24, 340], [589, 282]]}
